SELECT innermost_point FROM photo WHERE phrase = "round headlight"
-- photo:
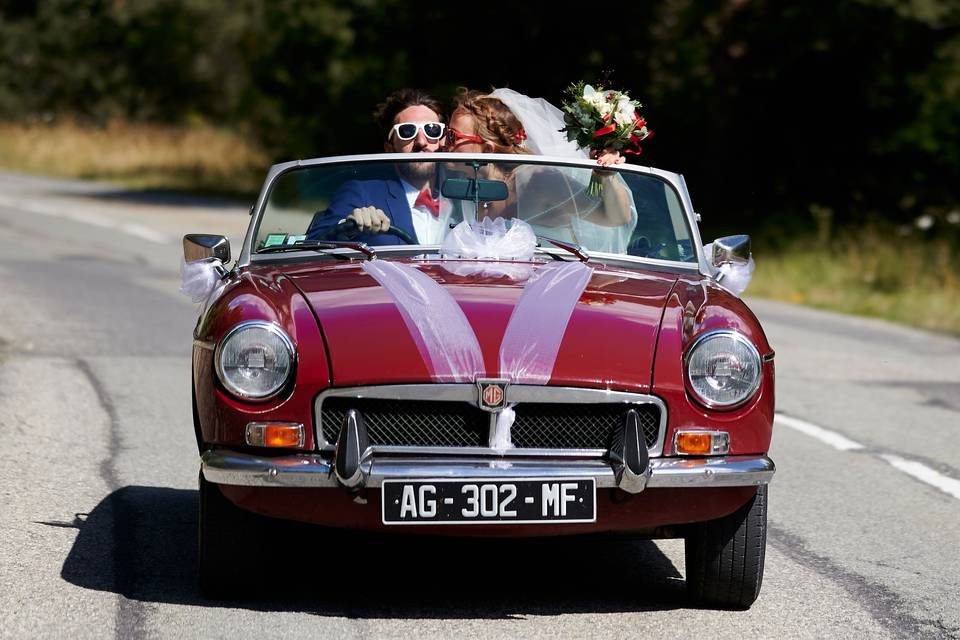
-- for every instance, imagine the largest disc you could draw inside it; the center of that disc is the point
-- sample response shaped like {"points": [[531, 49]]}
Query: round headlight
{"points": [[723, 369], [255, 360]]}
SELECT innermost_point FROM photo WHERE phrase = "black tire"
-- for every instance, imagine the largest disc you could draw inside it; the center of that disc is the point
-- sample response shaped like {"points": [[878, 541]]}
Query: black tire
{"points": [[228, 541], [725, 556]]}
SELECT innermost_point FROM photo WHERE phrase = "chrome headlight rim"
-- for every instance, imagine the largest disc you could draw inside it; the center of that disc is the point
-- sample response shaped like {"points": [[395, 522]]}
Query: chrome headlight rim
{"points": [[738, 337], [273, 328]]}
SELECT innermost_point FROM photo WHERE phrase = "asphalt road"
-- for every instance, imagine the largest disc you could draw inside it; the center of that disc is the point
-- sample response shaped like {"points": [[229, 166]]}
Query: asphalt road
{"points": [[98, 472]]}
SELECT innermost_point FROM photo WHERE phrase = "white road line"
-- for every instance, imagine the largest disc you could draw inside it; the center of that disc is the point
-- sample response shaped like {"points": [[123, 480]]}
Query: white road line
{"points": [[835, 440], [129, 228], [923, 473], [916, 470], [91, 218], [146, 233]]}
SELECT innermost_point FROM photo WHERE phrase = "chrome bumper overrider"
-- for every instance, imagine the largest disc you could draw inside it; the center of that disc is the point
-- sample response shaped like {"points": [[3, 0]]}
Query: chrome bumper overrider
{"points": [[310, 470]]}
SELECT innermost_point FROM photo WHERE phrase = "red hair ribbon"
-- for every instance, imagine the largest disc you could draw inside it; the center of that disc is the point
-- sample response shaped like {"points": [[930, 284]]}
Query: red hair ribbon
{"points": [[519, 137]]}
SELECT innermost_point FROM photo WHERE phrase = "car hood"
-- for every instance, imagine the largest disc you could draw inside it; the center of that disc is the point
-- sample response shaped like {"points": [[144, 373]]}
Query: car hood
{"points": [[609, 341]]}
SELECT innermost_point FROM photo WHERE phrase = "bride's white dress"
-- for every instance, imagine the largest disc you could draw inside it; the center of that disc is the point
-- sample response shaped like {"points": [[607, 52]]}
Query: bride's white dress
{"points": [[542, 123], [554, 201]]}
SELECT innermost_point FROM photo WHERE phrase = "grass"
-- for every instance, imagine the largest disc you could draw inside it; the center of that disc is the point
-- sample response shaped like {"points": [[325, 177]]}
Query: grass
{"points": [[896, 276], [199, 159]]}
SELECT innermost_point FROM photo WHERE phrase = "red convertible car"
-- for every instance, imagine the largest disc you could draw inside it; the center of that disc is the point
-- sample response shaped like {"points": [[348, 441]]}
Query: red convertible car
{"points": [[515, 355]]}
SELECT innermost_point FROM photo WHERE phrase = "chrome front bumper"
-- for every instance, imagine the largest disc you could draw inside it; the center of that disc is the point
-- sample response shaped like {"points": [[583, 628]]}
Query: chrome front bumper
{"points": [[310, 470]]}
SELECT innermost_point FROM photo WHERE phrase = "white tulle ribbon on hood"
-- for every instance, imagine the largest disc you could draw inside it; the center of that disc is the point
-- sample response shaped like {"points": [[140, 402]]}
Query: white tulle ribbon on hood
{"points": [[436, 322], [535, 332], [449, 346], [536, 327], [198, 278]]}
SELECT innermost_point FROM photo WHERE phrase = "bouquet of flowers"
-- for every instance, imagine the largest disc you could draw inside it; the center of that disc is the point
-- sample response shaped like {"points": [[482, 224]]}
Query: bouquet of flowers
{"points": [[602, 119]]}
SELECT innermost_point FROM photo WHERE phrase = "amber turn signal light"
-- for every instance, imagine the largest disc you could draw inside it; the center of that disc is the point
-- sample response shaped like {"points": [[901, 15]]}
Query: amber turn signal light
{"points": [[702, 443], [275, 434]]}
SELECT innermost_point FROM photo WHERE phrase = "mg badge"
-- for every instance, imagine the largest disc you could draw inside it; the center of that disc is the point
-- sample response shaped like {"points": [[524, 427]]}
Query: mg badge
{"points": [[493, 393]]}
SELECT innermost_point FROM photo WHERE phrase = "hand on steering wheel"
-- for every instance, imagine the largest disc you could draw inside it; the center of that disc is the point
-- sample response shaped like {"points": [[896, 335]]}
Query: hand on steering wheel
{"points": [[349, 226]]}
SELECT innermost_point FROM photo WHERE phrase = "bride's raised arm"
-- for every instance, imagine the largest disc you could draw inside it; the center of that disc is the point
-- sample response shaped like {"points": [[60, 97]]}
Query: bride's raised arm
{"points": [[616, 201]]}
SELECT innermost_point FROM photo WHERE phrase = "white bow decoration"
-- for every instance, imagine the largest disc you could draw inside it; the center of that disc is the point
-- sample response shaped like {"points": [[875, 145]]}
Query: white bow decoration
{"points": [[198, 278], [735, 278]]}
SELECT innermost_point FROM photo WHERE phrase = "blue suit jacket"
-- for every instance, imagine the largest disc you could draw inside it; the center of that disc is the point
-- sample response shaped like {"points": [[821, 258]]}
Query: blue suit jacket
{"points": [[386, 195]]}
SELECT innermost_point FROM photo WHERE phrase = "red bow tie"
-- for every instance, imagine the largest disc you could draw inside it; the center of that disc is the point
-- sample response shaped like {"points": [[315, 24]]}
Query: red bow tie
{"points": [[428, 202]]}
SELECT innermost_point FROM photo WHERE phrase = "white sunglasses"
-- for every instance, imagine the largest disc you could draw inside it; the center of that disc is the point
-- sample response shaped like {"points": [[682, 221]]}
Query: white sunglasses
{"points": [[408, 130]]}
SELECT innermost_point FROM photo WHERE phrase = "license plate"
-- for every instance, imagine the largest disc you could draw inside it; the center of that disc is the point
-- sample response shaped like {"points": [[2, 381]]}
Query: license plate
{"points": [[480, 501]]}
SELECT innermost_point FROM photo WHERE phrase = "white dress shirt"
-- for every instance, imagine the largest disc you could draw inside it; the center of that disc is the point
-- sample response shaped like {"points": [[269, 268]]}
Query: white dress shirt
{"points": [[429, 229]]}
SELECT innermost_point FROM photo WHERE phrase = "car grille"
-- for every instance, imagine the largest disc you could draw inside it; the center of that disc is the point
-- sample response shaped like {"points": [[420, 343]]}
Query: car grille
{"points": [[427, 423]]}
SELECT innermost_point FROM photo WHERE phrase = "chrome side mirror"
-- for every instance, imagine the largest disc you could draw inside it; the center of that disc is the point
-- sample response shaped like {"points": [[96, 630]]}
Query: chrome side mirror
{"points": [[198, 246], [730, 250]]}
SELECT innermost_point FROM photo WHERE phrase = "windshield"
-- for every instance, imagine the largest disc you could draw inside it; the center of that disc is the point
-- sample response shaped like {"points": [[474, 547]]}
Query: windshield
{"points": [[610, 211]]}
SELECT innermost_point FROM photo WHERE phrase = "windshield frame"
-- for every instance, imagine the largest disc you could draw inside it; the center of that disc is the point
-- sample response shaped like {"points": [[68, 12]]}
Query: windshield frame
{"points": [[674, 181]]}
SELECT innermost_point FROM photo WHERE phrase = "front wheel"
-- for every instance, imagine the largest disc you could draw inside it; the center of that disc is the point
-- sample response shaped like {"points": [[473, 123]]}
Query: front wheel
{"points": [[725, 556]]}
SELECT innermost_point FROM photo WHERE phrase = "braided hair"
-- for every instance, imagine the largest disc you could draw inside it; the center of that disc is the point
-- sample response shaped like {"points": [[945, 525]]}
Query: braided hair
{"points": [[495, 122]]}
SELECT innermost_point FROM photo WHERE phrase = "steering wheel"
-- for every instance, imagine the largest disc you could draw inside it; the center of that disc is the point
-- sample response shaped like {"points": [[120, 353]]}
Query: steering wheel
{"points": [[640, 246], [348, 226]]}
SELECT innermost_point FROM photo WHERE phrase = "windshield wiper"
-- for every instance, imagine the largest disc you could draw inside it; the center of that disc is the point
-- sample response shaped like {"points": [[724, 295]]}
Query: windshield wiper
{"points": [[571, 247], [359, 247]]}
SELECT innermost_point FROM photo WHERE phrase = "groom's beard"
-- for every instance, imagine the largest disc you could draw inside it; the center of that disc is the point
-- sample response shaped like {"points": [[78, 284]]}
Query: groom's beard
{"points": [[415, 171]]}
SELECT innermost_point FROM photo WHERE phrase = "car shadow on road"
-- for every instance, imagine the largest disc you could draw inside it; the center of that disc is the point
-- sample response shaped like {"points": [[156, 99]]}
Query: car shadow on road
{"points": [[140, 542]]}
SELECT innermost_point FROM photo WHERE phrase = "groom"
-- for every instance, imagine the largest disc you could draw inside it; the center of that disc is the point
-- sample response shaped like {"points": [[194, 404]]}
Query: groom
{"points": [[412, 122]]}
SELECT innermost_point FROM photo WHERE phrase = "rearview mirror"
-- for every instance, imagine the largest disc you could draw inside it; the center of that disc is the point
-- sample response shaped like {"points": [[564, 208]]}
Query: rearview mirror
{"points": [[199, 246], [474, 189]]}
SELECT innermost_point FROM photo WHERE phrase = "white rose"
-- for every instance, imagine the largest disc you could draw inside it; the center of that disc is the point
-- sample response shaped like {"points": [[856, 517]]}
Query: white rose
{"points": [[605, 108], [588, 92], [622, 119], [595, 100], [625, 106]]}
